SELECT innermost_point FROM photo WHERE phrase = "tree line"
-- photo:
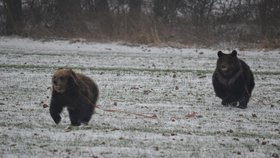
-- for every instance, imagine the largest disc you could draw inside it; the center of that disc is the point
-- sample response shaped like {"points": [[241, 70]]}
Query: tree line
{"points": [[144, 21]]}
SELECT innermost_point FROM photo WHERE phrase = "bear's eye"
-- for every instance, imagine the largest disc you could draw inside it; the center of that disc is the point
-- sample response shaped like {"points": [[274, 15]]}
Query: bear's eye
{"points": [[61, 78]]}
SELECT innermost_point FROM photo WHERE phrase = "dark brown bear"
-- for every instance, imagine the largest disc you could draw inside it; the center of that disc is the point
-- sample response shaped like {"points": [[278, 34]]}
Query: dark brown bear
{"points": [[77, 92], [233, 80]]}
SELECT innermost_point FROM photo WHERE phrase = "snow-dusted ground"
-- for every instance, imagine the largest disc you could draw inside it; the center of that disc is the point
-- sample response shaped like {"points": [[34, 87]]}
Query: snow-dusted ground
{"points": [[171, 83]]}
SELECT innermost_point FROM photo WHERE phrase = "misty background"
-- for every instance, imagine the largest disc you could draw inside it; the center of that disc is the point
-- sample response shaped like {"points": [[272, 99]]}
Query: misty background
{"points": [[201, 22]]}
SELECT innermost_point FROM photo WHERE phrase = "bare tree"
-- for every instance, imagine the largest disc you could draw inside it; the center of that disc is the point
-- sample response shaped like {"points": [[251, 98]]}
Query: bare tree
{"points": [[143, 20], [200, 11], [135, 8], [166, 10], [13, 14], [101, 6], [68, 8], [269, 11]]}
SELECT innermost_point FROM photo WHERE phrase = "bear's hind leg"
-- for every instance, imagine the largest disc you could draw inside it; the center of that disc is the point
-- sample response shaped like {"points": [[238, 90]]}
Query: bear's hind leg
{"points": [[243, 102], [75, 117], [88, 115]]}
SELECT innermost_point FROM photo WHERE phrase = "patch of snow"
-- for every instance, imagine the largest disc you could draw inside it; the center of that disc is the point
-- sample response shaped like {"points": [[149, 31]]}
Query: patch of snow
{"points": [[174, 84]]}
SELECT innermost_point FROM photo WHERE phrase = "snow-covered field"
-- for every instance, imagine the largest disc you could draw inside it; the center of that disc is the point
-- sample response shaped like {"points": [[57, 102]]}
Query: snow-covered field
{"points": [[172, 84]]}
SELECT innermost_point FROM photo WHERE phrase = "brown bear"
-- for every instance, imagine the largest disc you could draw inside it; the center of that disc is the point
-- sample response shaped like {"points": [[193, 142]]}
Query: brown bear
{"points": [[77, 92], [233, 80]]}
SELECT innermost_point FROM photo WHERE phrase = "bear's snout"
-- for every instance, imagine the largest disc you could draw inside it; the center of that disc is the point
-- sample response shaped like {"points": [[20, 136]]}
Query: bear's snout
{"points": [[224, 68]]}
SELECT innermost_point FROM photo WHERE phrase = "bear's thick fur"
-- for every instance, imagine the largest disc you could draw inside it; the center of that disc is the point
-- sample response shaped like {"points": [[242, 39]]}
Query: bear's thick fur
{"points": [[233, 80], [77, 92]]}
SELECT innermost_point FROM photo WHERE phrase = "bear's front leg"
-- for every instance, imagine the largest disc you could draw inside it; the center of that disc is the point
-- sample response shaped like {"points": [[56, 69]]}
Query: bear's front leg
{"points": [[75, 117], [55, 110], [229, 101], [55, 116]]}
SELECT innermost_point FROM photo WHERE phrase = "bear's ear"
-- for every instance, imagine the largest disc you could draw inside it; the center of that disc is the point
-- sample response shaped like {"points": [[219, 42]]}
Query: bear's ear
{"points": [[234, 53], [220, 54]]}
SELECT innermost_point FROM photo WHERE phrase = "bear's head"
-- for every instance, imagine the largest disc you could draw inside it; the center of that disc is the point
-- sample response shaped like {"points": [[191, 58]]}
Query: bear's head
{"points": [[63, 80], [228, 64]]}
